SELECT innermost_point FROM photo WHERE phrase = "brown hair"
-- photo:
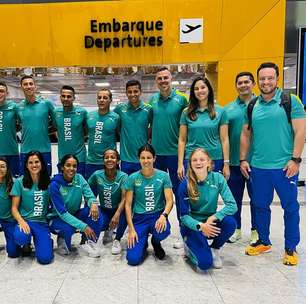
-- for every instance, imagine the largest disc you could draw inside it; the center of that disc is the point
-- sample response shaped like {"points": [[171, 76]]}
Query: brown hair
{"points": [[8, 179], [192, 185], [194, 102]]}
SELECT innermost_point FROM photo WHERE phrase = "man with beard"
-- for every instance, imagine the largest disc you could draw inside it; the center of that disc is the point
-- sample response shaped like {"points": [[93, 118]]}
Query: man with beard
{"points": [[277, 145]]}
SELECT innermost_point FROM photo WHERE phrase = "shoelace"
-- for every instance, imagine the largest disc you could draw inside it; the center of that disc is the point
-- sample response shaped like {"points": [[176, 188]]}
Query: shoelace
{"points": [[258, 242], [290, 252]]}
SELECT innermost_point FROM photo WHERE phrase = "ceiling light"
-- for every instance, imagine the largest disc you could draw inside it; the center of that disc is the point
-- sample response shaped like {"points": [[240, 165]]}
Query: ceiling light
{"points": [[102, 84], [45, 92]]}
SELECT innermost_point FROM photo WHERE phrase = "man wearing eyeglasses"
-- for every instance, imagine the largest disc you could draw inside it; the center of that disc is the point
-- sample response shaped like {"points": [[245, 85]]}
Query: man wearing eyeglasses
{"points": [[277, 141]]}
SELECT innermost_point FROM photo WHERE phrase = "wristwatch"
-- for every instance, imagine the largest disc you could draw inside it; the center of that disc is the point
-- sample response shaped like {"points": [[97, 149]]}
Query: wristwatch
{"points": [[165, 215], [297, 160], [198, 227]]}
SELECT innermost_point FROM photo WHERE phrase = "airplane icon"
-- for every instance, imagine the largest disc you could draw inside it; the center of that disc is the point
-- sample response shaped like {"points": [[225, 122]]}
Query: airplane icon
{"points": [[191, 28]]}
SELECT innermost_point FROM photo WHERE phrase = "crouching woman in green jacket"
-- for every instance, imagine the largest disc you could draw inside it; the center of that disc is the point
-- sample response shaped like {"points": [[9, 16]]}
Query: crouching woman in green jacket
{"points": [[198, 198], [66, 192]]}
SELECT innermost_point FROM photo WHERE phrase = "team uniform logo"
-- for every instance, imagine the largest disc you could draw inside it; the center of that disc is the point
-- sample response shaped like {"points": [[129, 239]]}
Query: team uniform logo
{"points": [[149, 198], [38, 203], [64, 191], [1, 121], [99, 180], [67, 129], [98, 132], [138, 182], [107, 197]]}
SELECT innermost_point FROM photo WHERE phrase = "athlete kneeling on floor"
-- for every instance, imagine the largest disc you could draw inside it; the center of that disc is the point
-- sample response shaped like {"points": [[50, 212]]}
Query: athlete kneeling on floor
{"points": [[66, 192], [198, 197], [150, 198]]}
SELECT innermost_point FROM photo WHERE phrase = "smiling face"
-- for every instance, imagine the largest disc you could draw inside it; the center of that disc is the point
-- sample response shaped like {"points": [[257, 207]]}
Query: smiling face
{"points": [[110, 159], [67, 98], [267, 81], [34, 165], [201, 90], [146, 160], [133, 94], [163, 81], [28, 86], [200, 162], [244, 86], [3, 170], [69, 169]]}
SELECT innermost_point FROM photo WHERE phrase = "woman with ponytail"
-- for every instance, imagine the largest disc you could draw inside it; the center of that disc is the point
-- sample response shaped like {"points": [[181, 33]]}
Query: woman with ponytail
{"points": [[198, 198]]}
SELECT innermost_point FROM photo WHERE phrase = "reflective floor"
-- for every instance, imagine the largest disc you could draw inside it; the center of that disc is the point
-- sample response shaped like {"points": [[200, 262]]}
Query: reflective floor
{"points": [[79, 279]]}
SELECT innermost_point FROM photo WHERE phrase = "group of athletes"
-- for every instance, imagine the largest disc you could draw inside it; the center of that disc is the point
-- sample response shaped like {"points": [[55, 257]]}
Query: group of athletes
{"points": [[171, 149]]}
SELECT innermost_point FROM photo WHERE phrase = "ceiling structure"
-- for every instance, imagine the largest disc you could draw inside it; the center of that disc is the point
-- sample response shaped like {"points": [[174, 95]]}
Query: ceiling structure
{"points": [[88, 80]]}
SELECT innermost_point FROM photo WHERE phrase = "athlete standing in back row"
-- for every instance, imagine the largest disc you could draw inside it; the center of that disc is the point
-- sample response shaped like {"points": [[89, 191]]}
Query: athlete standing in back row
{"points": [[277, 144], [70, 122], [102, 131], [167, 106], [8, 140], [135, 119], [34, 114], [235, 113]]}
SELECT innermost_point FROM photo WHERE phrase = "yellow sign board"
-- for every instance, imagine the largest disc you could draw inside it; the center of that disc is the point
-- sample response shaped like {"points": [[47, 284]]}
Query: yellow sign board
{"points": [[238, 35]]}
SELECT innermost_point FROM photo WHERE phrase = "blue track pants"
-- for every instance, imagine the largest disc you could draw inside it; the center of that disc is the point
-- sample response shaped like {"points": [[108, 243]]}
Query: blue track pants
{"points": [[264, 181], [199, 252], [144, 225]]}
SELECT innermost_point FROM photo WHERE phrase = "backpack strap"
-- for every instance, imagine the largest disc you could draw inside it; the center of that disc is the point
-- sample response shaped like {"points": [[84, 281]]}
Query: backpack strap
{"points": [[250, 111], [286, 104]]}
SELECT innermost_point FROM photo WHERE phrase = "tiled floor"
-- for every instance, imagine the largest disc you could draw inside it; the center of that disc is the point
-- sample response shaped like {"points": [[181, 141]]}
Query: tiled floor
{"points": [[80, 279]]}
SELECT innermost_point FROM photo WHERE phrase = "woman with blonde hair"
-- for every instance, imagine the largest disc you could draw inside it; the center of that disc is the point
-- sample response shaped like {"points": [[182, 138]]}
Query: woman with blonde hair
{"points": [[198, 197]]}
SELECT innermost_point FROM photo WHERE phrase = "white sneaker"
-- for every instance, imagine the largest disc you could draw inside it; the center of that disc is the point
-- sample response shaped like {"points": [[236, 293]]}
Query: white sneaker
{"points": [[62, 248], [108, 236], [116, 248], [186, 250], [92, 249], [236, 236], [178, 244], [254, 237], [217, 261]]}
